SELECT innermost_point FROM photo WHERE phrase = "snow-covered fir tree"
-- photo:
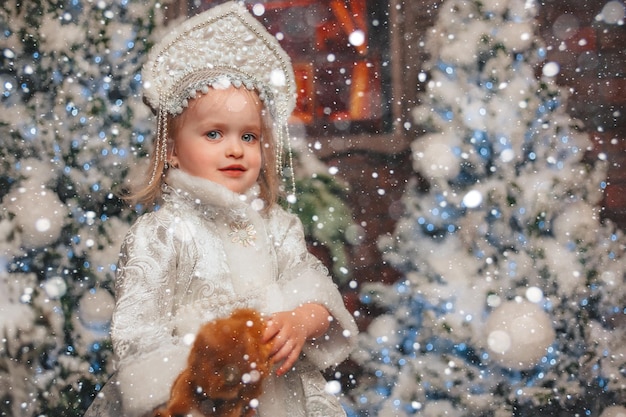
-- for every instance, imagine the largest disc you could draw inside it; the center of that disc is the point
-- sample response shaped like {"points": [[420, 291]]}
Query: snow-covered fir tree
{"points": [[513, 291], [71, 122]]}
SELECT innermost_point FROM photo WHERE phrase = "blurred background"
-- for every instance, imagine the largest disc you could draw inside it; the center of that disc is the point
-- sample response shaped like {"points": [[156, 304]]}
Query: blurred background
{"points": [[460, 166]]}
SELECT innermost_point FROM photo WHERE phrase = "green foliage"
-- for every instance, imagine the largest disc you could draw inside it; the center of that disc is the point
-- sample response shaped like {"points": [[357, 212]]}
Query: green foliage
{"points": [[326, 218]]}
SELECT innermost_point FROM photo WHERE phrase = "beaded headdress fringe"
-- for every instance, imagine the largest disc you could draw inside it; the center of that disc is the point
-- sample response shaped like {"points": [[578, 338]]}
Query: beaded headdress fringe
{"points": [[220, 47]]}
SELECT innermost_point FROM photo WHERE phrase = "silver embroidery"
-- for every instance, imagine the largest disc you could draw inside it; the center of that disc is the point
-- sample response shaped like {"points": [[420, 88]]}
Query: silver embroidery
{"points": [[319, 403], [242, 233]]}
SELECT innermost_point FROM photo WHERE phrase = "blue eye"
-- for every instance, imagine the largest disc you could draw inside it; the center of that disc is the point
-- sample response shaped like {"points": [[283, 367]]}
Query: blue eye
{"points": [[248, 137], [213, 134]]}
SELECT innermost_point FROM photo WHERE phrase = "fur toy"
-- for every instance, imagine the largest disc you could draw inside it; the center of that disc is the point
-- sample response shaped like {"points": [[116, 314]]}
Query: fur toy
{"points": [[225, 369]]}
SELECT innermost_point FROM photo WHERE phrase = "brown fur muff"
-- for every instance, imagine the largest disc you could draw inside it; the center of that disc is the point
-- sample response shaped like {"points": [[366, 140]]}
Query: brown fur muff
{"points": [[225, 369]]}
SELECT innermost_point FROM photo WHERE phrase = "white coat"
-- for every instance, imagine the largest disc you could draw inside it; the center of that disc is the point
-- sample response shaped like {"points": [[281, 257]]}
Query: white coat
{"points": [[204, 253]]}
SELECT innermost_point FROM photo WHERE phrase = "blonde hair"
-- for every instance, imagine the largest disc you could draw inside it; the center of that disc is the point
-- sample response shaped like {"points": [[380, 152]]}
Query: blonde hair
{"points": [[150, 190]]}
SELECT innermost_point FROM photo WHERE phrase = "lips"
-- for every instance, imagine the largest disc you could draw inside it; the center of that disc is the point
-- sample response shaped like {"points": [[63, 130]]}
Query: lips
{"points": [[233, 169]]}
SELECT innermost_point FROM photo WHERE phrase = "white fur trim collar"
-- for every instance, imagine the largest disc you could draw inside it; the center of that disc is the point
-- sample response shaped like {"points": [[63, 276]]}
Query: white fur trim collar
{"points": [[209, 193]]}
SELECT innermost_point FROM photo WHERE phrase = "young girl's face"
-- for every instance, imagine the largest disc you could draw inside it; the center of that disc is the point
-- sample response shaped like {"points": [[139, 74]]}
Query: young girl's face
{"points": [[218, 137]]}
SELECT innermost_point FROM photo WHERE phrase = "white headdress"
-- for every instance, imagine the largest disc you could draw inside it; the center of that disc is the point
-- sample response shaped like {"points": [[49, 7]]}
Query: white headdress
{"points": [[222, 46]]}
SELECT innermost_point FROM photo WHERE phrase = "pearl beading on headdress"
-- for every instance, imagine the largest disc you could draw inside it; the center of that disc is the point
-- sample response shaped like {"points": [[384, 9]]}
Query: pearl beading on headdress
{"points": [[220, 47]]}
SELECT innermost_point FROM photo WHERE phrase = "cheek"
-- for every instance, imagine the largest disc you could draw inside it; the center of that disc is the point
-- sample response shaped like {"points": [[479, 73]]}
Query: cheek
{"points": [[258, 158], [195, 157]]}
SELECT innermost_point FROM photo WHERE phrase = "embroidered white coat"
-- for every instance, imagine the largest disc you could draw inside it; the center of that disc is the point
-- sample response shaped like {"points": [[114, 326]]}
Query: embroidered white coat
{"points": [[204, 253]]}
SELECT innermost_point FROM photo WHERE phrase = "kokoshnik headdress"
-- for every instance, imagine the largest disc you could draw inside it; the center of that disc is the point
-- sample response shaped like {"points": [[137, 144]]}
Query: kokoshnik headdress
{"points": [[222, 46]]}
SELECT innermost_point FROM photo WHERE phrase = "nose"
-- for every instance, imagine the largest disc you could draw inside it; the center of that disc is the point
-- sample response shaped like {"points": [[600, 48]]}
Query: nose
{"points": [[234, 147]]}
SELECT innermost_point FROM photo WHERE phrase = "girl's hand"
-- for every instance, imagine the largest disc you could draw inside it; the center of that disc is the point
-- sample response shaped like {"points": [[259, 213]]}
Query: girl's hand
{"points": [[289, 330]]}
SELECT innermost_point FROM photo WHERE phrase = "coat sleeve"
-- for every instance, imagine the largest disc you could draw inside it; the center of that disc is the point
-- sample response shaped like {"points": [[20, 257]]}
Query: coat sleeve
{"points": [[148, 356], [304, 279]]}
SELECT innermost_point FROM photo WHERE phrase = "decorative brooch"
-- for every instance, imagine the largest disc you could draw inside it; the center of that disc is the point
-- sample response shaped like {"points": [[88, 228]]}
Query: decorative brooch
{"points": [[242, 233]]}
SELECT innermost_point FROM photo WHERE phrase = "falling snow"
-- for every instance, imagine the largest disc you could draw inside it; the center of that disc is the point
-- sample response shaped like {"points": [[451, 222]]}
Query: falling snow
{"points": [[504, 246]]}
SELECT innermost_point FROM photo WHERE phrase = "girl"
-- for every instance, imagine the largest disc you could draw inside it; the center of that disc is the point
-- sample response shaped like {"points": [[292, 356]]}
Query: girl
{"points": [[222, 89]]}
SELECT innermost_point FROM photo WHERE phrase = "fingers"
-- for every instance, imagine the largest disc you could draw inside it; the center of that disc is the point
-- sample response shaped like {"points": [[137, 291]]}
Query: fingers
{"points": [[280, 337], [287, 343], [286, 355], [289, 362], [271, 330]]}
